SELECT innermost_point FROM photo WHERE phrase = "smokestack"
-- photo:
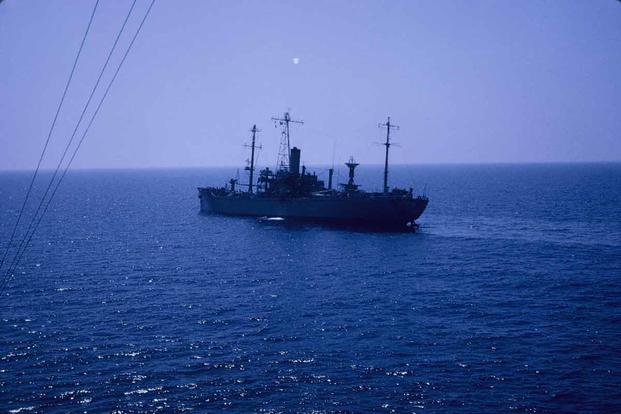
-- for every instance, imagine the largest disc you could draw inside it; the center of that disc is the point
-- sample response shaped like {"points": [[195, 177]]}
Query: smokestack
{"points": [[330, 174], [294, 161]]}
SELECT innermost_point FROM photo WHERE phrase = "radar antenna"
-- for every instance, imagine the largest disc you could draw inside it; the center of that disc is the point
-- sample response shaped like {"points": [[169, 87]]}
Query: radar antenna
{"points": [[285, 147], [388, 127]]}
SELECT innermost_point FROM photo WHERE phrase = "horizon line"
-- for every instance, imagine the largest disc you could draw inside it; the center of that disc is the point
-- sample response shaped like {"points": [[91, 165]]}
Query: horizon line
{"points": [[193, 167]]}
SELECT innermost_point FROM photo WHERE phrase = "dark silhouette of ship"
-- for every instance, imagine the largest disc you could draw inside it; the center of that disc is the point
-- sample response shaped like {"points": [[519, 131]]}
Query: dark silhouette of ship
{"points": [[294, 194]]}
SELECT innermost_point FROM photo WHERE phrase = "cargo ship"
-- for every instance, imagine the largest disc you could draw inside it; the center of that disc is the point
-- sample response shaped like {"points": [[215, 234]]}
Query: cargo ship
{"points": [[290, 192]]}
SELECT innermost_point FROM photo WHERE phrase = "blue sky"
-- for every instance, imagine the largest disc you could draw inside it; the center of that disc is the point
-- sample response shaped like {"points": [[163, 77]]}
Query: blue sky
{"points": [[467, 81]]}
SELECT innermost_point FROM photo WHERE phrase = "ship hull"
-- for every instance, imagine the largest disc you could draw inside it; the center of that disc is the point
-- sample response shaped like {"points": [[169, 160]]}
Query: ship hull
{"points": [[386, 210]]}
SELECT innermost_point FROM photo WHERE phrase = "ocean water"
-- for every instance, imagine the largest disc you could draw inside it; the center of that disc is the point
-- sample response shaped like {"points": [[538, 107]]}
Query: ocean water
{"points": [[508, 299]]}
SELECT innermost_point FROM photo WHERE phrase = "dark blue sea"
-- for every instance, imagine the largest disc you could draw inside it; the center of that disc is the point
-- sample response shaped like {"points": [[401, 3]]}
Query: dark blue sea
{"points": [[508, 299]]}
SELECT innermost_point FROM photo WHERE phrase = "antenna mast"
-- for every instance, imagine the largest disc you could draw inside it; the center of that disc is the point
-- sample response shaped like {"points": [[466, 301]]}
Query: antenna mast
{"points": [[285, 147], [388, 127], [250, 168]]}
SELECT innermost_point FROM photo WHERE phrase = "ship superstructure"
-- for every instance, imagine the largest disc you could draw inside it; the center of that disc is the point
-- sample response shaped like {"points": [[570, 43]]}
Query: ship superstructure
{"points": [[291, 192]]}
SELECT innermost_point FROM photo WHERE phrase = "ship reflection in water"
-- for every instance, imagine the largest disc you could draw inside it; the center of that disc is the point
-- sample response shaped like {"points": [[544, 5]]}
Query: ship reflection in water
{"points": [[296, 195], [364, 227]]}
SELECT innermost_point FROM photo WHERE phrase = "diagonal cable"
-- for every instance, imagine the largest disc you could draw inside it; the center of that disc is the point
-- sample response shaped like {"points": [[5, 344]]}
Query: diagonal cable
{"points": [[49, 135], [75, 130], [9, 272]]}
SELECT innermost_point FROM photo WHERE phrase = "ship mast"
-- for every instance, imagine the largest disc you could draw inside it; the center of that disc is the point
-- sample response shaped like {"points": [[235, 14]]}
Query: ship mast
{"points": [[254, 130], [285, 148], [388, 127]]}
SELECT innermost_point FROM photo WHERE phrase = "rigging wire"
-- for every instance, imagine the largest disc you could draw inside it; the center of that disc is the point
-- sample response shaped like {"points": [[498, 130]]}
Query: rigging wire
{"points": [[14, 265], [9, 274], [49, 135], [75, 130]]}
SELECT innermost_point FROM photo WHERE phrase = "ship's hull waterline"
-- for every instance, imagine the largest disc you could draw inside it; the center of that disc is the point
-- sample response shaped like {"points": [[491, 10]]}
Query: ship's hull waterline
{"points": [[393, 211]]}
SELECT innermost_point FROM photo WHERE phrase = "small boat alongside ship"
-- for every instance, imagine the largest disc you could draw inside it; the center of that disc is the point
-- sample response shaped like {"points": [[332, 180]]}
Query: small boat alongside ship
{"points": [[293, 193]]}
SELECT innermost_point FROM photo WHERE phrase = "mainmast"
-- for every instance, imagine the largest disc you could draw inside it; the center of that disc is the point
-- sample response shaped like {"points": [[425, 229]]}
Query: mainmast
{"points": [[250, 168], [388, 127], [285, 147]]}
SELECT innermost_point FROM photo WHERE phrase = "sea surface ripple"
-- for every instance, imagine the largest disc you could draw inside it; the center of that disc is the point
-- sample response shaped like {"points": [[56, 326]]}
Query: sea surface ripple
{"points": [[508, 299]]}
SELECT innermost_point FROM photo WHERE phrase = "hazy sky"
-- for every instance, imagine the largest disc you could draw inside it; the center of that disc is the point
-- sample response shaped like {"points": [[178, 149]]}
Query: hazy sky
{"points": [[467, 81]]}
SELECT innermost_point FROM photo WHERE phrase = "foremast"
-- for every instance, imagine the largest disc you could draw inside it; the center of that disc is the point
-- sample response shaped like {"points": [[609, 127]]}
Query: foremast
{"points": [[250, 167]]}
